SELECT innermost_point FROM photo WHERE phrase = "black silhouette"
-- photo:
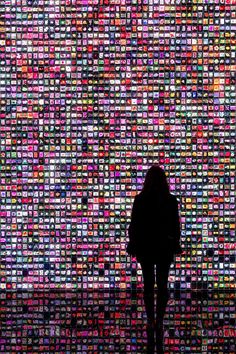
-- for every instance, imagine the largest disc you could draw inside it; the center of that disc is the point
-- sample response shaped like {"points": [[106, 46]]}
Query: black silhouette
{"points": [[154, 239]]}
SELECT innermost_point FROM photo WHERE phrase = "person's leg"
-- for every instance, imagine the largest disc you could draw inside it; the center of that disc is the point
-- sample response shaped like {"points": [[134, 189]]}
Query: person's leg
{"points": [[162, 272], [149, 281]]}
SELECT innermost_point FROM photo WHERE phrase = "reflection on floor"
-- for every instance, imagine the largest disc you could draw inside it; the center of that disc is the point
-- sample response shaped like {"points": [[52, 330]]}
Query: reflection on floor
{"points": [[113, 322]]}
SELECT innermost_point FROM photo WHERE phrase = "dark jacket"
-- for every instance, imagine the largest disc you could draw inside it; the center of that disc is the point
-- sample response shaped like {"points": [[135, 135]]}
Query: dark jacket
{"points": [[154, 230]]}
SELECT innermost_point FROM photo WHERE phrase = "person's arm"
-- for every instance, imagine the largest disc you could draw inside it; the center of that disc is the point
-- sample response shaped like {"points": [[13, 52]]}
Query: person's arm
{"points": [[176, 224], [132, 229]]}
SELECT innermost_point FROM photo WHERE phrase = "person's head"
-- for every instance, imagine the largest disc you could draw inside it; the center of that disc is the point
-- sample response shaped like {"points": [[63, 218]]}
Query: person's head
{"points": [[156, 182]]}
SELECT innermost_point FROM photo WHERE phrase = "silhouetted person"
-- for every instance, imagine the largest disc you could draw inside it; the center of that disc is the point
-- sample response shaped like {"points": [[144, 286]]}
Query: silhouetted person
{"points": [[154, 236]]}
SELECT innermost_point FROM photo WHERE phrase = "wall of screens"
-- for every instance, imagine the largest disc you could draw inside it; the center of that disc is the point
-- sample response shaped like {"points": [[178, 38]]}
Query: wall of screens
{"points": [[93, 93]]}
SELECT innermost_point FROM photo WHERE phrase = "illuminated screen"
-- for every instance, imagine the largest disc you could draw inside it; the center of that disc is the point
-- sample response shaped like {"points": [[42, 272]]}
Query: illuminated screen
{"points": [[92, 94]]}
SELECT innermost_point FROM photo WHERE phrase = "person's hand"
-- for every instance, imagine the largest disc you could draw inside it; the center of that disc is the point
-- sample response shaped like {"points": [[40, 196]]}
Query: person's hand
{"points": [[130, 250], [178, 250]]}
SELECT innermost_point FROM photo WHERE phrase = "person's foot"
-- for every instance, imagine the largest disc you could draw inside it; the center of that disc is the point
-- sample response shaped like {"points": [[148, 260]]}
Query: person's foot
{"points": [[150, 337], [160, 351], [150, 350], [151, 347], [159, 345], [159, 338]]}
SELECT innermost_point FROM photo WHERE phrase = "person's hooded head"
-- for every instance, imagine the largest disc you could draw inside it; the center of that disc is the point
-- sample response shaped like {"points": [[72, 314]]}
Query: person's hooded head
{"points": [[155, 183]]}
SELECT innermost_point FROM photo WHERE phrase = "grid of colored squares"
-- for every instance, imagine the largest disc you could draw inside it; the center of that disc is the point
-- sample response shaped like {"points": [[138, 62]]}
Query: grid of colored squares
{"points": [[92, 94]]}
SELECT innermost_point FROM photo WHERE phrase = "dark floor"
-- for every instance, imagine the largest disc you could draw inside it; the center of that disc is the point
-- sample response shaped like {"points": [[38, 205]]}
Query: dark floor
{"points": [[113, 322]]}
